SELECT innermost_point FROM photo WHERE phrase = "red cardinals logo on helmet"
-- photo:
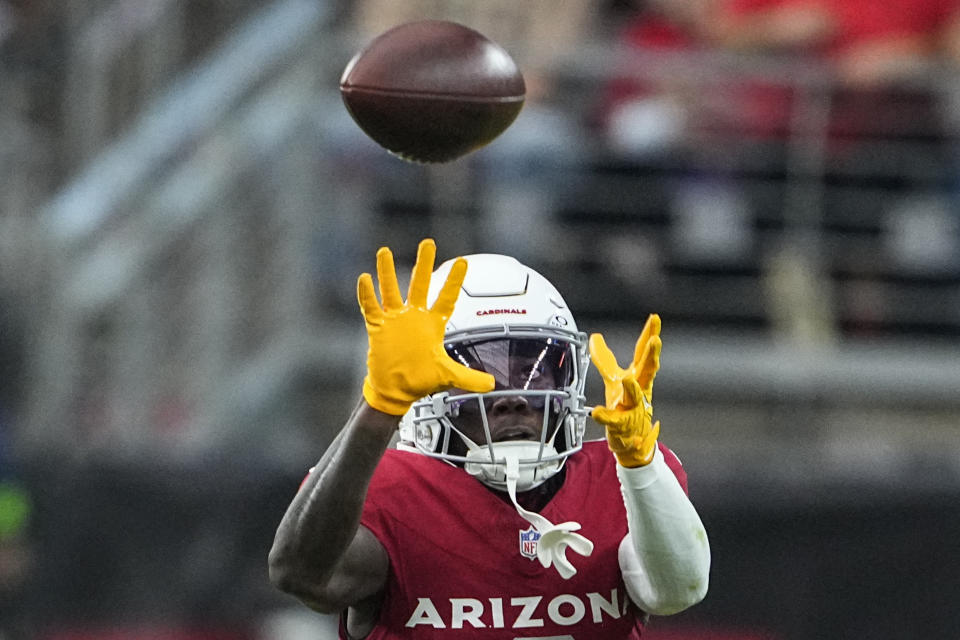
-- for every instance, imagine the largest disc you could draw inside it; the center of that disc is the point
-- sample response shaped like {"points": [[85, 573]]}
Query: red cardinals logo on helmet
{"points": [[496, 312]]}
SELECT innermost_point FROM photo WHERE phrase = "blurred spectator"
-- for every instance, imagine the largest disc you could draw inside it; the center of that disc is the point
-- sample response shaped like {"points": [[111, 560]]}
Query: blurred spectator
{"points": [[669, 105], [867, 45], [860, 81], [883, 118], [644, 112], [870, 47]]}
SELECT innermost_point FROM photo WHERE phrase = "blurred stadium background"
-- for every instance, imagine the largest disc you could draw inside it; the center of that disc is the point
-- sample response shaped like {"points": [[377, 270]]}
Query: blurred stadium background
{"points": [[186, 206]]}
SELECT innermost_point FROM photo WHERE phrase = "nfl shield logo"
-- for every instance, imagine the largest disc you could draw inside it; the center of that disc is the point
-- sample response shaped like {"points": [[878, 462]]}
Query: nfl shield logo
{"points": [[528, 542]]}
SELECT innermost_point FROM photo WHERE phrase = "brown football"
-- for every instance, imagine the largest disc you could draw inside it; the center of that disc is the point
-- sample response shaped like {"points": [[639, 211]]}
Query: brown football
{"points": [[432, 91]]}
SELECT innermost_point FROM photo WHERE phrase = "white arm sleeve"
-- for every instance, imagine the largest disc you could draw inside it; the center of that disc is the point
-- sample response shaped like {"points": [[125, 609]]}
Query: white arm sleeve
{"points": [[665, 556]]}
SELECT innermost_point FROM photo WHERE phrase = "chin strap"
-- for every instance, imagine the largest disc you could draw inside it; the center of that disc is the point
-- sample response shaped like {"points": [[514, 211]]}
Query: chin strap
{"points": [[554, 539]]}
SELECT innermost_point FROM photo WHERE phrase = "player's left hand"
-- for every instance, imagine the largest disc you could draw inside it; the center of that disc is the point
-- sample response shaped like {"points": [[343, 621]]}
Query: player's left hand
{"points": [[628, 414]]}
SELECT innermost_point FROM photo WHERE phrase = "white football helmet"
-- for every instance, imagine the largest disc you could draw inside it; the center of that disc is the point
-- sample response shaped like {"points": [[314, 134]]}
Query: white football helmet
{"points": [[512, 323]]}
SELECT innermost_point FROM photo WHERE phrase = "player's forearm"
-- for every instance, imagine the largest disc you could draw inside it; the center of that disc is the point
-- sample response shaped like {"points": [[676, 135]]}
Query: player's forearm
{"points": [[316, 532], [665, 559]]}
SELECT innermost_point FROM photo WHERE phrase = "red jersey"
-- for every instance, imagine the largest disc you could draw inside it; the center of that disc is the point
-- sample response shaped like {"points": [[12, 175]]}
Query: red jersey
{"points": [[462, 564]]}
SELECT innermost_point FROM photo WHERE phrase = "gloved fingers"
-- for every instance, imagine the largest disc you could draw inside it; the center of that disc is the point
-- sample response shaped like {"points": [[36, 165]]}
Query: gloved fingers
{"points": [[632, 394], [420, 277], [603, 358], [387, 276], [599, 414], [462, 377], [451, 289], [650, 329], [622, 443], [650, 440], [607, 417], [649, 364], [367, 298], [645, 448]]}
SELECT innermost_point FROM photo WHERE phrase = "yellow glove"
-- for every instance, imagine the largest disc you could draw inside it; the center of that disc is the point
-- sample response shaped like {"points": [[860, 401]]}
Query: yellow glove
{"points": [[406, 359], [628, 414]]}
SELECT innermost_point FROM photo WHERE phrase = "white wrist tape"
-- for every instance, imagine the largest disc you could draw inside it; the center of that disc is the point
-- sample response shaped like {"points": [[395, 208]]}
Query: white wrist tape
{"points": [[665, 556]]}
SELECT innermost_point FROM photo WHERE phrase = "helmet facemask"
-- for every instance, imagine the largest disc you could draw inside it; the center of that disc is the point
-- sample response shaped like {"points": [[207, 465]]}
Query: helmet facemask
{"points": [[536, 412]]}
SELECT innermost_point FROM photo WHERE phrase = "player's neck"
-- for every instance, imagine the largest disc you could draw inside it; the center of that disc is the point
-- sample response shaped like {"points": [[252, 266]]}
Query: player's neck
{"points": [[537, 498]]}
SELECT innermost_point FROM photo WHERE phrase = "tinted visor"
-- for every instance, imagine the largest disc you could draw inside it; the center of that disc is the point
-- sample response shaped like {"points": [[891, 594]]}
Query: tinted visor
{"points": [[519, 363]]}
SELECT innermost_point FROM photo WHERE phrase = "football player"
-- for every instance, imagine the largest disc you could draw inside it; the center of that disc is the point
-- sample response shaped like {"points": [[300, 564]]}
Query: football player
{"points": [[492, 517]]}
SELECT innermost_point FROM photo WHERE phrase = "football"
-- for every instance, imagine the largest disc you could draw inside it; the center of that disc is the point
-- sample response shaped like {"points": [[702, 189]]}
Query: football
{"points": [[433, 90]]}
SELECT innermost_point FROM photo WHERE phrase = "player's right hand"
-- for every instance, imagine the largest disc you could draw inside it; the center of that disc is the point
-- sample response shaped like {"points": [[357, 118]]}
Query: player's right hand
{"points": [[406, 359]]}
